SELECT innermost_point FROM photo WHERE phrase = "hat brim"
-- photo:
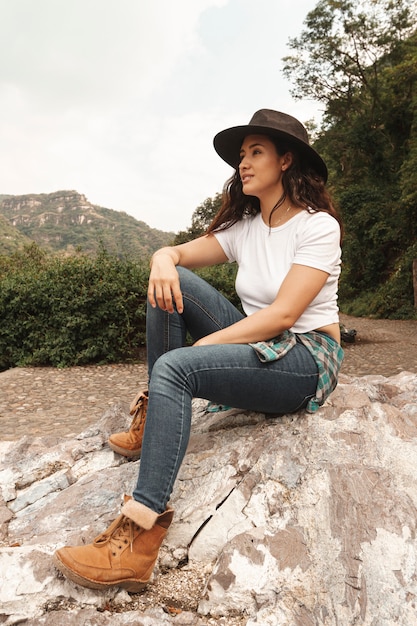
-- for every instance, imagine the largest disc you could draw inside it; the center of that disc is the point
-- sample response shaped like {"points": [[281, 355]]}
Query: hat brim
{"points": [[228, 142]]}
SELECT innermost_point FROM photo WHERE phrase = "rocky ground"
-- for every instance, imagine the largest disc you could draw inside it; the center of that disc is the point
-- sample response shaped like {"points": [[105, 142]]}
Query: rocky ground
{"points": [[46, 401]]}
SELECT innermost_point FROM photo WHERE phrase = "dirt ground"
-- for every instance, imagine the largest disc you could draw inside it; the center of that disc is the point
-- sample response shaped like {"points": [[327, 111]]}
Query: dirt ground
{"points": [[384, 347]]}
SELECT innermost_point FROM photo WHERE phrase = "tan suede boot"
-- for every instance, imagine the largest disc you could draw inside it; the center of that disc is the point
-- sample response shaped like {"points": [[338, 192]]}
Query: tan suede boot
{"points": [[123, 556], [130, 443]]}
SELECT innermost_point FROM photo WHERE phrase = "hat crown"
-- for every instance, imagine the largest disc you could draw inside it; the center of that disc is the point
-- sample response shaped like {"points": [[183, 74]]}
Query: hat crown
{"points": [[280, 127], [279, 121]]}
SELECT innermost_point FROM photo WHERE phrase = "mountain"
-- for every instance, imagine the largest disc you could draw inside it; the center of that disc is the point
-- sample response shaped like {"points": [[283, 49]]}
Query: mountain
{"points": [[65, 221], [11, 239]]}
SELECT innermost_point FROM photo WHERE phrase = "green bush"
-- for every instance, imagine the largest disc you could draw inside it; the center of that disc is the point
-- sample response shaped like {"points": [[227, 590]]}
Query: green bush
{"points": [[222, 277], [392, 300], [71, 311], [78, 310]]}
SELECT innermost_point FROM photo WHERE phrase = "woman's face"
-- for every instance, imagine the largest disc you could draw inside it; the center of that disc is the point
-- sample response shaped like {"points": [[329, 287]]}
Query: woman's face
{"points": [[261, 167]]}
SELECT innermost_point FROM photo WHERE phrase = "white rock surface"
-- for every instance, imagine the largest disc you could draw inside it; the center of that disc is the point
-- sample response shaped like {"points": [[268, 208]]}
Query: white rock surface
{"points": [[299, 520]]}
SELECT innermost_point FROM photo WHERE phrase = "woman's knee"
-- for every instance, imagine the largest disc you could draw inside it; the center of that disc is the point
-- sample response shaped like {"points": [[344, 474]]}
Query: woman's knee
{"points": [[191, 283], [177, 368], [185, 274], [168, 366]]}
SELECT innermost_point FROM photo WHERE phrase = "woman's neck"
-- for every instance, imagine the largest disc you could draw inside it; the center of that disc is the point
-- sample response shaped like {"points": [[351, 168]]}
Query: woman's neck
{"points": [[279, 213], [275, 209]]}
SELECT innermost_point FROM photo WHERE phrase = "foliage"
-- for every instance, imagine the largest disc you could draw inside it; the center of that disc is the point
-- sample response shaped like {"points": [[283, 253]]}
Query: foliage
{"points": [[70, 311], [391, 300], [10, 238], [201, 219], [63, 311], [344, 40], [222, 277], [360, 60], [371, 244]]}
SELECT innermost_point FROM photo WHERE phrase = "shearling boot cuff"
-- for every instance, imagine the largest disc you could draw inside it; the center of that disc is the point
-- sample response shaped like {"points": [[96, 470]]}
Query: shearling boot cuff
{"points": [[140, 514]]}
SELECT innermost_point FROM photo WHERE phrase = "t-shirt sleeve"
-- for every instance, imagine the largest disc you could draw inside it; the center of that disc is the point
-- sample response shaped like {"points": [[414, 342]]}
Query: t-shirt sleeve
{"points": [[318, 245], [226, 239]]}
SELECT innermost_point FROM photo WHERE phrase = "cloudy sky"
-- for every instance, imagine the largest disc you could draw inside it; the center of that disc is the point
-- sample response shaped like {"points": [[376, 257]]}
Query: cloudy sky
{"points": [[120, 99]]}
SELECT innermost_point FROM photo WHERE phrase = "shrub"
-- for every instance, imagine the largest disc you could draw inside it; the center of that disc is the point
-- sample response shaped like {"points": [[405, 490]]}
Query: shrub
{"points": [[78, 310], [222, 277], [392, 300], [71, 311]]}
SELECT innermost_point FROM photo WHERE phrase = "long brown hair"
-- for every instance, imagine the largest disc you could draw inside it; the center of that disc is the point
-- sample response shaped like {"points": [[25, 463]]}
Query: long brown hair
{"points": [[303, 187]]}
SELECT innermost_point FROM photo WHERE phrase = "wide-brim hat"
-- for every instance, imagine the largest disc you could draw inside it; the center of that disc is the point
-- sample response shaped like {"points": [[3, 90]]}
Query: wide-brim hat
{"points": [[276, 125]]}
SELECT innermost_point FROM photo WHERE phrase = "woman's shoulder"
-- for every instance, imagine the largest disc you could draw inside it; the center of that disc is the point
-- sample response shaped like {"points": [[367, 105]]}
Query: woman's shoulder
{"points": [[319, 220], [311, 214], [242, 225]]}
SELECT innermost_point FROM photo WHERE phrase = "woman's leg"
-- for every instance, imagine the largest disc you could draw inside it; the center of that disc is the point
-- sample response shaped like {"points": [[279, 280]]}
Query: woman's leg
{"points": [[205, 311], [229, 374]]}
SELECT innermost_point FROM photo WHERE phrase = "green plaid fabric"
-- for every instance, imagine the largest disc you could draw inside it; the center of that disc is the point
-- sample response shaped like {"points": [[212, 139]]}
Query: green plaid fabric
{"points": [[327, 353]]}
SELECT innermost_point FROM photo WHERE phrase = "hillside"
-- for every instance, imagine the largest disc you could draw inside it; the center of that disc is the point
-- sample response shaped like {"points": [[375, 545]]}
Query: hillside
{"points": [[65, 221], [11, 239]]}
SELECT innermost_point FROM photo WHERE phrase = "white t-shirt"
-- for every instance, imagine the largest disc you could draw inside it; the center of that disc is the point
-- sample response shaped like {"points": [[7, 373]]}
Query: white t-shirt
{"points": [[265, 255]]}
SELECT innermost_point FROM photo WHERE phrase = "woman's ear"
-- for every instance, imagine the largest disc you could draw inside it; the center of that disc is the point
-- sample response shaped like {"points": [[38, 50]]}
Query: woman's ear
{"points": [[286, 161]]}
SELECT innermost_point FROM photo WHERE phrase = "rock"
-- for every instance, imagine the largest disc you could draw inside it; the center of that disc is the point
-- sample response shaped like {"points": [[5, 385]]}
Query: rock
{"points": [[296, 520]]}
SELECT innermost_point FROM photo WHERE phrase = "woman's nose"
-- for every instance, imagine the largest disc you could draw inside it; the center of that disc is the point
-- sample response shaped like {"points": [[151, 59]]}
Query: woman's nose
{"points": [[243, 164]]}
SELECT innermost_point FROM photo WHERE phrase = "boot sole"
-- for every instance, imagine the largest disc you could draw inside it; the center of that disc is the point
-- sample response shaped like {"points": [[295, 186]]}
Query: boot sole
{"points": [[130, 584], [124, 451]]}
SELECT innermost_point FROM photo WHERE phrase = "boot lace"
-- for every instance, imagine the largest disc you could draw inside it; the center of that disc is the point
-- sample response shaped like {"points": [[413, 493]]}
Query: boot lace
{"points": [[139, 410], [121, 533]]}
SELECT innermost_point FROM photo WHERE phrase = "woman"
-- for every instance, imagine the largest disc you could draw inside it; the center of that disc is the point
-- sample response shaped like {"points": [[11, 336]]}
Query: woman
{"points": [[278, 222]]}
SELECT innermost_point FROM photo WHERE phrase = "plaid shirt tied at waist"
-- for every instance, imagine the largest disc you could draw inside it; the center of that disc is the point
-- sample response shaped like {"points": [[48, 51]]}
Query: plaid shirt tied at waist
{"points": [[327, 353]]}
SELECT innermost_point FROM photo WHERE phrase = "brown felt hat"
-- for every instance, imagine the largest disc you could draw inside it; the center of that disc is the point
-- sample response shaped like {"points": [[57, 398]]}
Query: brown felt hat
{"points": [[276, 125]]}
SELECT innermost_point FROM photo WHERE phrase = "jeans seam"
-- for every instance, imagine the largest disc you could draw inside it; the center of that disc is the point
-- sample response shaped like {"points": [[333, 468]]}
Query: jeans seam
{"points": [[255, 369], [174, 471], [166, 332], [202, 308]]}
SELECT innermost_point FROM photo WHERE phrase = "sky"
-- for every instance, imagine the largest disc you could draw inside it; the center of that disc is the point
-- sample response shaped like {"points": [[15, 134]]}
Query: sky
{"points": [[120, 99]]}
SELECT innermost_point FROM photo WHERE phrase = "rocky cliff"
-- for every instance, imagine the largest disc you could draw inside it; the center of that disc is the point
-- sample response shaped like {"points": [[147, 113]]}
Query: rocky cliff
{"points": [[294, 521], [66, 221], [11, 239]]}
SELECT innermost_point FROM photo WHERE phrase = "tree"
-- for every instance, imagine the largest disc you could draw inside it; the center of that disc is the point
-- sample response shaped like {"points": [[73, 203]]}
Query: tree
{"points": [[342, 40], [201, 219], [349, 57], [360, 60]]}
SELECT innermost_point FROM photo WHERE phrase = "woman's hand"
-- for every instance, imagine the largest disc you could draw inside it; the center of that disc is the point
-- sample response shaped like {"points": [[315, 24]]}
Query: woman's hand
{"points": [[209, 340], [164, 284]]}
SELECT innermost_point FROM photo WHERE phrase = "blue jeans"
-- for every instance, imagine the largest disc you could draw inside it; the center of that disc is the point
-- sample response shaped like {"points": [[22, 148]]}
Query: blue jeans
{"points": [[228, 374]]}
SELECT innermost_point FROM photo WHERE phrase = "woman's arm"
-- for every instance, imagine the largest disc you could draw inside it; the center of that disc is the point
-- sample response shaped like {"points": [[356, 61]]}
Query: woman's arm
{"points": [[299, 288], [164, 285]]}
